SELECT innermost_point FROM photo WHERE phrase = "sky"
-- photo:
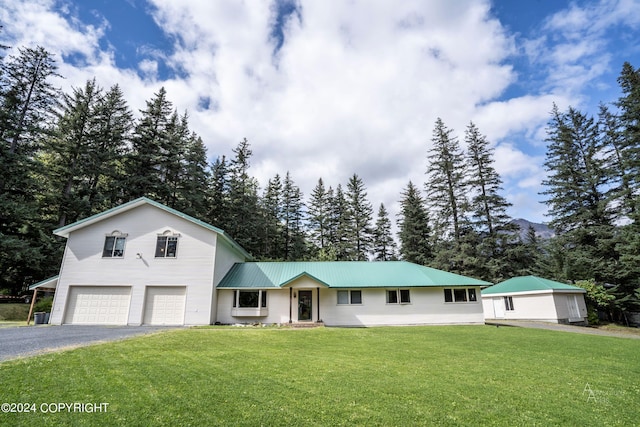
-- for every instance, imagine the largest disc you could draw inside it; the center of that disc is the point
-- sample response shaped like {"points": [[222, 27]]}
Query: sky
{"points": [[328, 89]]}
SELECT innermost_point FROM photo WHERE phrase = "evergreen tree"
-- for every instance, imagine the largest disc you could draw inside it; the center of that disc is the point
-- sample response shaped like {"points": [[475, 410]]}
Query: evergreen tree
{"points": [[384, 247], [414, 230], [488, 206], [152, 150], [292, 209], [218, 194], [272, 204], [106, 175], [318, 216], [361, 213], [69, 154], [577, 202], [629, 147], [28, 252], [577, 175], [244, 213], [340, 226], [194, 178], [446, 189]]}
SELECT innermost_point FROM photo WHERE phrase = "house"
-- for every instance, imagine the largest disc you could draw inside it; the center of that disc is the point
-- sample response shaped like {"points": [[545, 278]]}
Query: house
{"points": [[347, 293], [534, 298], [145, 263]]}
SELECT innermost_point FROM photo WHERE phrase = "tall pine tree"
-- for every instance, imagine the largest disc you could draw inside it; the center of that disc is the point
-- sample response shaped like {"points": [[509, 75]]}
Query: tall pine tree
{"points": [[414, 231]]}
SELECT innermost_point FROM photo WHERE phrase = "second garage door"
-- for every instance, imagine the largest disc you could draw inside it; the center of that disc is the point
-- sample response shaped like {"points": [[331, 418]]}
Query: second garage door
{"points": [[164, 305], [98, 305]]}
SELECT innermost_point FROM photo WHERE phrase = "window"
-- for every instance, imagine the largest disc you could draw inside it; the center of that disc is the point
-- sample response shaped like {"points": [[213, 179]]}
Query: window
{"points": [[349, 297], [249, 299], [508, 303], [395, 296], [167, 246], [460, 295], [114, 245]]}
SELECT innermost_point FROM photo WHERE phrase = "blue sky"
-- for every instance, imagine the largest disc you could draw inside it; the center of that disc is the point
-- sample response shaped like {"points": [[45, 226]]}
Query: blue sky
{"points": [[332, 88]]}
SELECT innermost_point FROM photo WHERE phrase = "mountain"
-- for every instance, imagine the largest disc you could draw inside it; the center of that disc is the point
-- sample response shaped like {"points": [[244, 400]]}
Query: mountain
{"points": [[543, 231]]}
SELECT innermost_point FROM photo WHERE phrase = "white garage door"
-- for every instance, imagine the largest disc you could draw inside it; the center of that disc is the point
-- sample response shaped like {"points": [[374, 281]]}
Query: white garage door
{"points": [[164, 305], [98, 305]]}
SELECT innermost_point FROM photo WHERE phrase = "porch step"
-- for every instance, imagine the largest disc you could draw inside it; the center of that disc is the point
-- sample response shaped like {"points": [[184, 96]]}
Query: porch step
{"points": [[303, 325]]}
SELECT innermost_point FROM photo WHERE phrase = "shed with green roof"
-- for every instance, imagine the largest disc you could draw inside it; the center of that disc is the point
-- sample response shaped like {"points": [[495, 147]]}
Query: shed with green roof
{"points": [[535, 298]]}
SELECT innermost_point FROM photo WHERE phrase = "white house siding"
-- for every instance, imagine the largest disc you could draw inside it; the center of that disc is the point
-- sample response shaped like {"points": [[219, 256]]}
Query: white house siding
{"points": [[83, 264], [427, 307], [225, 257]]}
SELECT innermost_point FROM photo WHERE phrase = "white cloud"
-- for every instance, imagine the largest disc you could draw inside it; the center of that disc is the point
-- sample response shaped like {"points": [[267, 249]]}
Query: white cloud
{"points": [[355, 88]]}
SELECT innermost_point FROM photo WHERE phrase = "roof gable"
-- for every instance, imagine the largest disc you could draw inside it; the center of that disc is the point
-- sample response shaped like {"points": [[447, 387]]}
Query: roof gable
{"points": [[527, 284], [68, 229], [342, 274]]}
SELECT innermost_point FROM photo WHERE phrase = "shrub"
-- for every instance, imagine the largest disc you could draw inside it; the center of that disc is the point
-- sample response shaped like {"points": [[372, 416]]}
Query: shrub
{"points": [[43, 305]]}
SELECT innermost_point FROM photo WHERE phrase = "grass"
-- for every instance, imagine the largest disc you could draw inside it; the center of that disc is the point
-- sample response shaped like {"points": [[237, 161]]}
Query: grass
{"points": [[457, 375], [14, 312]]}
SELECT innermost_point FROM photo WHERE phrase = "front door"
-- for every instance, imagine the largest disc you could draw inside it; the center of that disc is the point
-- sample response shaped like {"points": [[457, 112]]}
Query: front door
{"points": [[304, 305], [498, 308]]}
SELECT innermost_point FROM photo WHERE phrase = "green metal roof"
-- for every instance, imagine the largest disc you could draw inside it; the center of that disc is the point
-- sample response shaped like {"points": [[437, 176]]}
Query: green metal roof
{"points": [[525, 284], [66, 230], [50, 283], [342, 274]]}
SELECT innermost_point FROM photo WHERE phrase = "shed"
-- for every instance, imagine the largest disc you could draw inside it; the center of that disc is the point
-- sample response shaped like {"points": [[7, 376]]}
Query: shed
{"points": [[534, 298]]}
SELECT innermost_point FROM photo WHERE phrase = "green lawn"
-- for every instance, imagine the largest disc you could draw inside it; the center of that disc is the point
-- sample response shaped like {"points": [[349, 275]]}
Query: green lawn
{"points": [[14, 312], [450, 375]]}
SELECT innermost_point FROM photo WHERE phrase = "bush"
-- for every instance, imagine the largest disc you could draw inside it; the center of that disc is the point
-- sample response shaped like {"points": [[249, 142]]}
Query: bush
{"points": [[12, 312], [43, 305]]}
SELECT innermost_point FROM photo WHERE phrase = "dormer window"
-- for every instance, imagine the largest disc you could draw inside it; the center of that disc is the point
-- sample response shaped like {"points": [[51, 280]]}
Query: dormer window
{"points": [[167, 245], [114, 245]]}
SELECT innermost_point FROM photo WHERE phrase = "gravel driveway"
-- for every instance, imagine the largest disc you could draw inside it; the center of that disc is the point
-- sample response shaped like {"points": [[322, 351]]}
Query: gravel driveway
{"points": [[32, 340]]}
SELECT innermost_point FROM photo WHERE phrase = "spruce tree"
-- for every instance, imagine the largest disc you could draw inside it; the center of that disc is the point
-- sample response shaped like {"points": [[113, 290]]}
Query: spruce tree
{"points": [[414, 231], [293, 215], [272, 234], [218, 194], [151, 150], [341, 224], [361, 213], [488, 207], [318, 216], [384, 246], [244, 213], [629, 147], [28, 252], [446, 185]]}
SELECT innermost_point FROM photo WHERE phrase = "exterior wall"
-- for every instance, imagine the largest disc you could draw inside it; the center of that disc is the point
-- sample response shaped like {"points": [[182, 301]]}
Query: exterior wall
{"points": [[562, 307], [546, 307], [427, 307], [224, 259], [193, 267]]}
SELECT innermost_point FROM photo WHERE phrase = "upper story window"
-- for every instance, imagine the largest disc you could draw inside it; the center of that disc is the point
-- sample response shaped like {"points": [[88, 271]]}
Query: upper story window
{"points": [[167, 245], [114, 245]]}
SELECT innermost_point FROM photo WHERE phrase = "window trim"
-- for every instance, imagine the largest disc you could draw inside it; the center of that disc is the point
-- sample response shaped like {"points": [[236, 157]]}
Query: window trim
{"points": [[116, 236], [169, 236], [470, 296], [350, 293], [399, 296], [261, 310]]}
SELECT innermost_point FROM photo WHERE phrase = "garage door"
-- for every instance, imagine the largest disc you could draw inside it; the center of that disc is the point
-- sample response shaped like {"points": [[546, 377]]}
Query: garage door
{"points": [[164, 305], [98, 305]]}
